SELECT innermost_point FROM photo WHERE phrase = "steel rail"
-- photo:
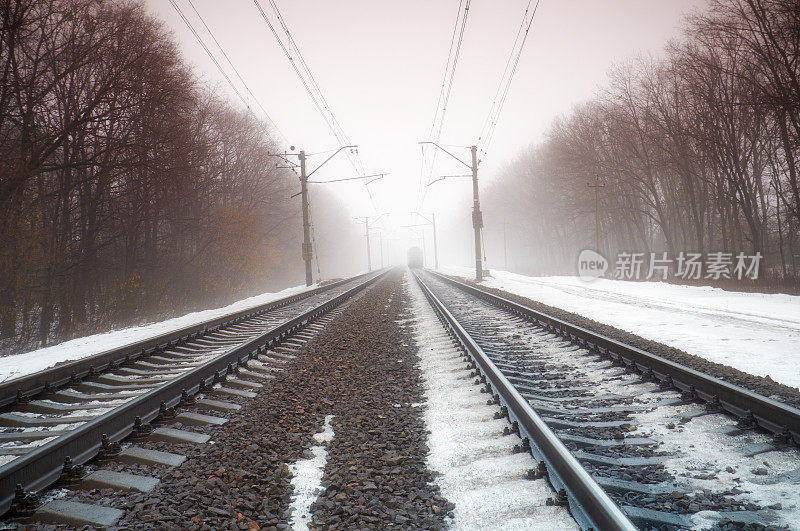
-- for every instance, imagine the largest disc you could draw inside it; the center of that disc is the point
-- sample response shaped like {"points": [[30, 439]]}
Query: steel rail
{"points": [[54, 377], [41, 467], [755, 409], [588, 502]]}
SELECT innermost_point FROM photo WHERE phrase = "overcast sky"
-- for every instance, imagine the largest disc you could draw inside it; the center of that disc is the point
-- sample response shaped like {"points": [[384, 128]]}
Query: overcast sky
{"points": [[380, 65]]}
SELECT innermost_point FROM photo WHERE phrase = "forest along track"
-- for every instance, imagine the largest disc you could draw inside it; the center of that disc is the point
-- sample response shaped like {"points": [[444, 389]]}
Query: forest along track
{"points": [[669, 455], [51, 428]]}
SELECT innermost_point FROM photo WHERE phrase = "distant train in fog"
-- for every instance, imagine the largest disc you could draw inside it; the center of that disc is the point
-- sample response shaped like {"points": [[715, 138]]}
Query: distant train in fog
{"points": [[415, 258]]}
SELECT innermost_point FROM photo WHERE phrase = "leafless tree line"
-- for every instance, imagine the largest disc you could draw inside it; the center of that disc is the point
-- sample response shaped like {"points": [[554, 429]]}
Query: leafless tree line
{"points": [[697, 151], [126, 189]]}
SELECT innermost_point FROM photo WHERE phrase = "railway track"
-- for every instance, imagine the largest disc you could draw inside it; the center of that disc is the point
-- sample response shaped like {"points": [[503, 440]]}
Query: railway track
{"points": [[53, 421], [626, 438]]}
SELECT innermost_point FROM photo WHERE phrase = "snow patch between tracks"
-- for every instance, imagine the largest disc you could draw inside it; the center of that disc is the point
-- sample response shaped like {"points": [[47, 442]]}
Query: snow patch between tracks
{"points": [[307, 478], [478, 470]]}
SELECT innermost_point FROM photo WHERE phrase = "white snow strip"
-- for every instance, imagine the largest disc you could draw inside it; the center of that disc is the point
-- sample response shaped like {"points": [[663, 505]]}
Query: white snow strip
{"points": [[754, 332], [307, 478], [478, 470], [18, 365]]}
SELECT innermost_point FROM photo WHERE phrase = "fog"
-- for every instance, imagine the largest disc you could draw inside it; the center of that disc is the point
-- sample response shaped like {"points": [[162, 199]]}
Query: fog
{"points": [[381, 66], [163, 173]]}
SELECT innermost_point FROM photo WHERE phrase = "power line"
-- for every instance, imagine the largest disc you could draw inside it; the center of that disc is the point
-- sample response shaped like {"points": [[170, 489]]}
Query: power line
{"points": [[446, 69], [457, 53], [294, 66], [210, 55], [490, 124], [314, 84], [308, 80], [236, 71], [444, 94], [313, 88], [421, 189], [505, 72], [221, 49], [354, 159], [219, 67]]}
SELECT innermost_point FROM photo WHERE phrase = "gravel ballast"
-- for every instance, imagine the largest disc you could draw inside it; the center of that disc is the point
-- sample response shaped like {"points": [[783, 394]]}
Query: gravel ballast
{"points": [[376, 474], [360, 373]]}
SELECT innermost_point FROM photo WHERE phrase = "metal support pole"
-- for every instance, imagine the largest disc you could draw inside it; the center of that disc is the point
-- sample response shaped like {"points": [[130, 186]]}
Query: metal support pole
{"points": [[597, 187], [435, 245], [597, 218], [477, 217], [380, 238], [424, 248], [369, 254], [307, 254]]}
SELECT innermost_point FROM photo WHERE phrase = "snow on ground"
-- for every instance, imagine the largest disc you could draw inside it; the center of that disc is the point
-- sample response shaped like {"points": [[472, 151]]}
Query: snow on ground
{"points": [[704, 459], [307, 478], [754, 332], [18, 365], [478, 469]]}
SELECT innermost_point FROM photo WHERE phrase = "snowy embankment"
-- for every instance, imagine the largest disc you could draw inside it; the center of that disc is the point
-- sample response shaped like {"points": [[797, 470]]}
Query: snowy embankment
{"points": [[753, 332], [17, 365]]}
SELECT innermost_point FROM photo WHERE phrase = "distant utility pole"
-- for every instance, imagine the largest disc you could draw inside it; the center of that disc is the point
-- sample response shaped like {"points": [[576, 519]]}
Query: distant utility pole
{"points": [[307, 252], [380, 232], [435, 243], [369, 253], [477, 215], [424, 248], [432, 221], [597, 187]]}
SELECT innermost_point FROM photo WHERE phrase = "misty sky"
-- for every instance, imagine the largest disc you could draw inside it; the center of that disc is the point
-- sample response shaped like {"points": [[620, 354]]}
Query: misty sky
{"points": [[380, 65]]}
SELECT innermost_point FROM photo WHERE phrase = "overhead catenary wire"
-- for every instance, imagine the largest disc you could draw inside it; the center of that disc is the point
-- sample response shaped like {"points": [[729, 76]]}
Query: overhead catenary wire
{"points": [[490, 124], [291, 50], [300, 66], [221, 49], [440, 112], [496, 97], [427, 165], [449, 76], [288, 54], [293, 45], [221, 69]]}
